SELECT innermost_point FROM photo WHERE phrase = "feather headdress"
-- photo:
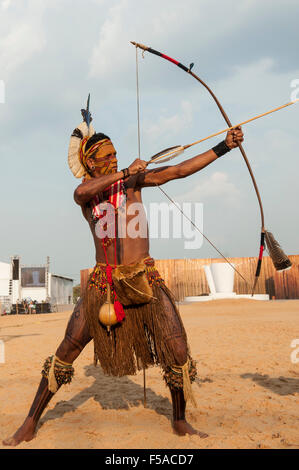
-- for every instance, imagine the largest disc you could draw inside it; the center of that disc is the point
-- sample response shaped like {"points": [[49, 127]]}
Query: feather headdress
{"points": [[85, 129]]}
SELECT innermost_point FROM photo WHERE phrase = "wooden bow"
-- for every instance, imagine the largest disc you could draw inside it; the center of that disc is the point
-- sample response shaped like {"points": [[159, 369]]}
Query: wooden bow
{"points": [[189, 71]]}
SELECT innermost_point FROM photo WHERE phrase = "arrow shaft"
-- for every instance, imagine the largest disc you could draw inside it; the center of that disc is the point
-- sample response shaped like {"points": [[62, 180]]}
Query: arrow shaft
{"points": [[171, 152], [240, 124]]}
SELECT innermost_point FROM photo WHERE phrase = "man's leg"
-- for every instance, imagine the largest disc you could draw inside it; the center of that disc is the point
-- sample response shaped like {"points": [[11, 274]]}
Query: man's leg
{"points": [[177, 343], [76, 338]]}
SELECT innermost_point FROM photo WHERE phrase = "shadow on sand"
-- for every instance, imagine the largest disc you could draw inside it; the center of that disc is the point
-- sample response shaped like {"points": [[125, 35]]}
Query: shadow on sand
{"points": [[280, 385], [102, 391], [7, 338]]}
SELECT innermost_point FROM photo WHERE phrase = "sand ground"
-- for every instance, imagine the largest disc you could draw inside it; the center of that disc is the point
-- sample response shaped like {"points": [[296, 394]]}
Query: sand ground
{"points": [[247, 391]]}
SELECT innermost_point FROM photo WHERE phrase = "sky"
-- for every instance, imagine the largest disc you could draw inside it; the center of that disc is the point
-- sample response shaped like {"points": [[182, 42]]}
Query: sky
{"points": [[53, 53]]}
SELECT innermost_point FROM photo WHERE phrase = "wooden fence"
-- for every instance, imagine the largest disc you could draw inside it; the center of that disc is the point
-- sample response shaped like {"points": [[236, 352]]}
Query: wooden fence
{"points": [[186, 277]]}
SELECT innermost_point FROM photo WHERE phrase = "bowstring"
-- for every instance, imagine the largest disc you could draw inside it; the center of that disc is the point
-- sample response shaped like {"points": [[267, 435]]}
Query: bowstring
{"points": [[138, 103], [168, 197], [205, 237], [139, 154]]}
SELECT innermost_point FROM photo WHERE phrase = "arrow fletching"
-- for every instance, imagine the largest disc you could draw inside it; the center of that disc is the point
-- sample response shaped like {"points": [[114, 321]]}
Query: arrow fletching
{"points": [[167, 154]]}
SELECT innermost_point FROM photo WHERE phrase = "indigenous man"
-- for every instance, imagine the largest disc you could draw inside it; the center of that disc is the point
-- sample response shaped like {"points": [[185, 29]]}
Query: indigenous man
{"points": [[147, 328]]}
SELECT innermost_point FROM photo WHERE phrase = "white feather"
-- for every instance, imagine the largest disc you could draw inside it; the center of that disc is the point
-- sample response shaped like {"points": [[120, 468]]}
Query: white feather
{"points": [[75, 165]]}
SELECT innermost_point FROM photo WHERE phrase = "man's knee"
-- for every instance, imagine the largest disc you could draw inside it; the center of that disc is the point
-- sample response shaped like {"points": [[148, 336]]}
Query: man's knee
{"points": [[69, 349], [76, 336], [181, 353], [177, 346]]}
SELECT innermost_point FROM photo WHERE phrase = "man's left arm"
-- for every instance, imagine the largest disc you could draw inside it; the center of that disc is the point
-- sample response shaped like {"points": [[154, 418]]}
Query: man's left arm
{"points": [[192, 165]]}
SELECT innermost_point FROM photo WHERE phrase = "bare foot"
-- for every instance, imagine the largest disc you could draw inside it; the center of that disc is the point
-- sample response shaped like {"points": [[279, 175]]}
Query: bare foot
{"points": [[24, 433], [181, 427]]}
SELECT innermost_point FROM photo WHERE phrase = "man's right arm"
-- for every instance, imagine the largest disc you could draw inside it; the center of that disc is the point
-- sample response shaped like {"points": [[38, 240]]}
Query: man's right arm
{"points": [[90, 188]]}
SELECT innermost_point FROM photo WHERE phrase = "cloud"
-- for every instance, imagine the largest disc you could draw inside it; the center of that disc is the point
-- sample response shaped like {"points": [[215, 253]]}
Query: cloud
{"points": [[18, 46], [217, 185], [139, 21], [21, 34], [215, 35], [105, 56], [5, 4], [169, 125], [258, 84]]}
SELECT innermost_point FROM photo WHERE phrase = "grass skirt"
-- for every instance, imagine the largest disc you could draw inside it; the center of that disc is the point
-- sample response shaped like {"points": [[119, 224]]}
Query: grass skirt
{"points": [[139, 340]]}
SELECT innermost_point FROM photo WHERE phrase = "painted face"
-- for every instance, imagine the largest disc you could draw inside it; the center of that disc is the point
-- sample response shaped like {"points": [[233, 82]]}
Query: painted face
{"points": [[106, 164]]}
